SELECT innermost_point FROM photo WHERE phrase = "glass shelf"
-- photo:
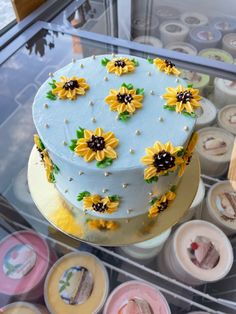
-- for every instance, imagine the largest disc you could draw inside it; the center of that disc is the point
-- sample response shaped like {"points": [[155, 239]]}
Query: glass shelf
{"points": [[43, 48]]}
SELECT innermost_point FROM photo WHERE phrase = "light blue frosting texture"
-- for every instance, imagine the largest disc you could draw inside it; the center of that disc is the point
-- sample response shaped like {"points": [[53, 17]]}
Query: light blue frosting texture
{"points": [[63, 117]]}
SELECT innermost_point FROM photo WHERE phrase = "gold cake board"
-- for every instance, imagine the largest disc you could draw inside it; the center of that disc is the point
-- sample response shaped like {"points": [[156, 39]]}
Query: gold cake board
{"points": [[84, 227]]}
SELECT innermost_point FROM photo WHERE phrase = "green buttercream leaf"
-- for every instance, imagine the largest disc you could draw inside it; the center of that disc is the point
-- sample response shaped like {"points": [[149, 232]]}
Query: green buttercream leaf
{"points": [[150, 60], [114, 198], [82, 195], [80, 133], [136, 63], [153, 200], [62, 288], [187, 114], [128, 86], [124, 116], [173, 188], [171, 108], [73, 144], [40, 144], [56, 169], [52, 178], [180, 153], [153, 179], [51, 96], [52, 84], [140, 91], [104, 163], [189, 85], [104, 61]]}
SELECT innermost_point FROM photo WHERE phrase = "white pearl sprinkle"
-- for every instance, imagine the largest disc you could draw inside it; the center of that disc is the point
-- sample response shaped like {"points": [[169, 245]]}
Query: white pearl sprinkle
{"points": [[127, 221], [186, 128], [161, 96], [104, 190], [149, 73], [94, 57], [80, 173], [106, 174], [91, 103], [117, 117], [151, 92], [70, 179], [81, 65], [46, 125], [129, 210], [50, 74], [177, 80], [73, 60], [45, 106], [150, 193], [137, 132], [66, 191], [106, 78], [131, 151], [66, 121], [93, 120], [161, 119], [124, 185], [64, 143]]}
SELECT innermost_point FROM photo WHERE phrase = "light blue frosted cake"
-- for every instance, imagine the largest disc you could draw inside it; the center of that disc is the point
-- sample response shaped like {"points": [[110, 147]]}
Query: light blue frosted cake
{"points": [[115, 133]]}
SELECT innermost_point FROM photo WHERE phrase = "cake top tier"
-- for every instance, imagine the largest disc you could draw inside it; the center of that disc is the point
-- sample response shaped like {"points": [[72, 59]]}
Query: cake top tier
{"points": [[57, 120]]}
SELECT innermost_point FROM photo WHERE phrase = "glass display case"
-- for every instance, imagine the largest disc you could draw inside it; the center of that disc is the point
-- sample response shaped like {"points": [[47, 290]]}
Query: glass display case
{"points": [[139, 28]]}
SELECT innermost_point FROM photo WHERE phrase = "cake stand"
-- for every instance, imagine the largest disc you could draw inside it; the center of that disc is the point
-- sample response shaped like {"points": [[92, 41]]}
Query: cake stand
{"points": [[84, 227]]}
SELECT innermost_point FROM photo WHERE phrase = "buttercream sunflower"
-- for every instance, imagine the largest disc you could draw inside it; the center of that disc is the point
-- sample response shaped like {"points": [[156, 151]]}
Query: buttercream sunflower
{"points": [[166, 66], [120, 66], [100, 205], [188, 153], [103, 225], [70, 88], [161, 204], [124, 100], [96, 145], [161, 159], [182, 99]]}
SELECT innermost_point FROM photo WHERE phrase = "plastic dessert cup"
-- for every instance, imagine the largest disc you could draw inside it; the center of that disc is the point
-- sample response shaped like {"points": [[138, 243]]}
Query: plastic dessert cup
{"points": [[224, 92], [136, 297], [199, 252], [149, 40], [166, 13], [182, 47], [77, 283], [24, 308], [229, 43], [224, 24], [173, 31], [221, 206], [204, 37], [147, 250], [206, 114], [142, 25], [214, 148], [25, 259], [226, 118], [194, 19]]}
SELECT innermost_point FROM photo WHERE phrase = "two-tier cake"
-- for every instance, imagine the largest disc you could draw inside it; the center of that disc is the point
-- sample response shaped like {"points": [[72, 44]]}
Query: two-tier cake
{"points": [[115, 133]]}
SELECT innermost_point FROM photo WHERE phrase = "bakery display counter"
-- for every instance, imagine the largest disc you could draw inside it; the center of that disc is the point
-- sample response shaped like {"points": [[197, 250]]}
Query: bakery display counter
{"points": [[36, 256]]}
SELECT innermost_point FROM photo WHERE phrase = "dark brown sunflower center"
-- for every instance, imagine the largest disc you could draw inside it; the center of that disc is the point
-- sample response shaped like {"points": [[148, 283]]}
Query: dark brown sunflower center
{"points": [[124, 98], [163, 160], [72, 84], [188, 160], [120, 63], [162, 206], [99, 207], [96, 143], [184, 96], [169, 63]]}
